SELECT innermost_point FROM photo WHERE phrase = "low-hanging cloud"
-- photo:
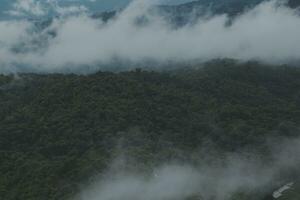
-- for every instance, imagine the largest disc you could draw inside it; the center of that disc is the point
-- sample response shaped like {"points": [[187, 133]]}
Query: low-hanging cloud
{"points": [[36, 8], [78, 43], [229, 174]]}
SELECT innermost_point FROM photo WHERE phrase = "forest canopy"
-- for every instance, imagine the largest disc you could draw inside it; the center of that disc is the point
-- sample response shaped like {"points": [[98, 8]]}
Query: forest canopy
{"points": [[57, 131]]}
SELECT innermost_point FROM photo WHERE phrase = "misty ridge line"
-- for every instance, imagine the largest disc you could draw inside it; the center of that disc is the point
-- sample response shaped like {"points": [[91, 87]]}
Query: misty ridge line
{"points": [[225, 176], [80, 44]]}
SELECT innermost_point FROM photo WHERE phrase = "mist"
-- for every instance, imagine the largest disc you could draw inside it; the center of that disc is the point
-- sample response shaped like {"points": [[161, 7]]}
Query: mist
{"points": [[211, 176], [77, 43]]}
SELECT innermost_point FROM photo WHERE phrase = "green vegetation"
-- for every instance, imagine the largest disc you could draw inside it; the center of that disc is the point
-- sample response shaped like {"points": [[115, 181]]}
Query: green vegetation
{"points": [[57, 131]]}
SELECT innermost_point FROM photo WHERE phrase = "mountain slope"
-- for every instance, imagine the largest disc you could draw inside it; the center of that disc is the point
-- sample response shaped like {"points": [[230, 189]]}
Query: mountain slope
{"points": [[185, 13]]}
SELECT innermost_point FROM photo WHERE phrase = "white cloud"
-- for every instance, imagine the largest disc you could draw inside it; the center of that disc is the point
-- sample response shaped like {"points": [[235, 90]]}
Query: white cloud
{"points": [[66, 10], [41, 8], [222, 178], [270, 33], [25, 7]]}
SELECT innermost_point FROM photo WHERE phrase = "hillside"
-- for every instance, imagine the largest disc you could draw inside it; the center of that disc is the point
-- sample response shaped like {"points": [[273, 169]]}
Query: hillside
{"points": [[187, 12], [57, 131]]}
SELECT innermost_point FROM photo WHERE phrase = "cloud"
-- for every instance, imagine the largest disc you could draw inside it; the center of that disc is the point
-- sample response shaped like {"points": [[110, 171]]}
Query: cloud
{"points": [[268, 33], [231, 174], [66, 10], [25, 7], [36, 8]]}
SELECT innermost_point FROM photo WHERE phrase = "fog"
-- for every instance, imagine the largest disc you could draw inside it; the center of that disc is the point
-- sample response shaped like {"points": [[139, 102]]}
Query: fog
{"points": [[225, 176], [79, 44]]}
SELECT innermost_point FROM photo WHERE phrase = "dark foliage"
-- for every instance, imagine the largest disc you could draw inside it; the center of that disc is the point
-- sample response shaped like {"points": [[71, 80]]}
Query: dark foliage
{"points": [[57, 130]]}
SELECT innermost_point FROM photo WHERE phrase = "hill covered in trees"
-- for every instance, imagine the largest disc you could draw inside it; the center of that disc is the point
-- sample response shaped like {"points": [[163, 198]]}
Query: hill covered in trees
{"points": [[57, 131], [186, 13]]}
